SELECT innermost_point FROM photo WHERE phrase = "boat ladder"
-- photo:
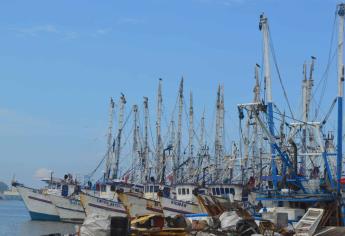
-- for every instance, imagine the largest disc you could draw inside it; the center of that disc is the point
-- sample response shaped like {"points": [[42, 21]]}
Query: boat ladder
{"points": [[309, 222]]}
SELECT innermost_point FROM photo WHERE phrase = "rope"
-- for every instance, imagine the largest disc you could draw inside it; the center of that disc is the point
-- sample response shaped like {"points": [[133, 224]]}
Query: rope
{"points": [[278, 72], [325, 77]]}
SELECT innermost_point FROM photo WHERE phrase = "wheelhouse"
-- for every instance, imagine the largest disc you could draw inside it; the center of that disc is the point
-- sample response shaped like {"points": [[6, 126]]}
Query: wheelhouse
{"points": [[226, 191], [185, 192]]}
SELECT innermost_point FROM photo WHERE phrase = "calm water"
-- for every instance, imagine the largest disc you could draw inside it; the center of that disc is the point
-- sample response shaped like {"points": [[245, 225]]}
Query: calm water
{"points": [[15, 220]]}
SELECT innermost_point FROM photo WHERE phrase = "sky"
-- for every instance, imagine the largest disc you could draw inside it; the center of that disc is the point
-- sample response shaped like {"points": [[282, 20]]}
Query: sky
{"points": [[61, 61]]}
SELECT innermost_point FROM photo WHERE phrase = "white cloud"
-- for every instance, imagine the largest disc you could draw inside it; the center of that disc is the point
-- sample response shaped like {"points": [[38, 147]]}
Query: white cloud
{"points": [[42, 173], [226, 3], [121, 21], [38, 30], [14, 123], [71, 35], [104, 31], [129, 20]]}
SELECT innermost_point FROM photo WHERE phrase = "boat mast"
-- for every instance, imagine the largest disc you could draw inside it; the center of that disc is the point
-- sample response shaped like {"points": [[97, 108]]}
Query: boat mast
{"points": [[191, 134], [202, 149], [135, 144], [263, 26], [307, 85], [158, 129], [146, 137], [221, 128], [305, 118], [119, 134], [202, 130], [179, 135], [218, 144], [255, 126], [341, 13], [110, 138]]}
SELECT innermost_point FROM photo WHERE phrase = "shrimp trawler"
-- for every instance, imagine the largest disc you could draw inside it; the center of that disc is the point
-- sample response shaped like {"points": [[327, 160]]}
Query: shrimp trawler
{"points": [[297, 165]]}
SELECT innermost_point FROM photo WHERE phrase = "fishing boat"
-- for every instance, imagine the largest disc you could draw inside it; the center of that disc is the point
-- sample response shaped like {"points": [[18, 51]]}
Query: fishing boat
{"points": [[182, 202], [226, 192], [138, 204], [68, 208], [11, 194], [104, 199], [94, 205], [38, 203]]}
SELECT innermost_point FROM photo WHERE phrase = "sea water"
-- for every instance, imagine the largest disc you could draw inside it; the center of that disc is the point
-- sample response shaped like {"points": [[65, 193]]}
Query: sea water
{"points": [[15, 220]]}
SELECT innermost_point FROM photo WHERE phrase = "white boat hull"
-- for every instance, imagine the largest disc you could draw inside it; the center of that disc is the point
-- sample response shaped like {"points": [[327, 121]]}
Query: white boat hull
{"points": [[100, 206], [139, 206], [39, 205], [68, 208], [172, 207]]}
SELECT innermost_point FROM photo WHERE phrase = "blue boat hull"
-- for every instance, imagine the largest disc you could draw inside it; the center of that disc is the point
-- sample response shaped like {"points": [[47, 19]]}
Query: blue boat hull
{"points": [[43, 217]]}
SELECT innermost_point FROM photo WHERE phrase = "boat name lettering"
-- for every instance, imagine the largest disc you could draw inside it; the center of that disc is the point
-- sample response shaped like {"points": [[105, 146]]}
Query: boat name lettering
{"points": [[108, 203], [74, 202], [178, 203]]}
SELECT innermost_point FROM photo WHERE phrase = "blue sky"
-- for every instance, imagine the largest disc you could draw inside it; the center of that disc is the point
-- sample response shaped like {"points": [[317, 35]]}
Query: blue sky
{"points": [[60, 61]]}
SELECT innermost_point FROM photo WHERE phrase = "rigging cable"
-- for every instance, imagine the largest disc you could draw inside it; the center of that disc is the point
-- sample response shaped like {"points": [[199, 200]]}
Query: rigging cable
{"points": [[326, 72], [278, 72]]}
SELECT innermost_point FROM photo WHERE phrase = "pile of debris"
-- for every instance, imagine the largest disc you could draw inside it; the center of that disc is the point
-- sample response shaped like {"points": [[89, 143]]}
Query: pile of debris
{"points": [[229, 223]]}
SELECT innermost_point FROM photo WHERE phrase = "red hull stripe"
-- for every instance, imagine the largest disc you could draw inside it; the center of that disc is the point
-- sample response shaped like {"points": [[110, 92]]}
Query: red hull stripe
{"points": [[39, 199], [107, 208], [177, 211], [154, 210], [70, 209]]}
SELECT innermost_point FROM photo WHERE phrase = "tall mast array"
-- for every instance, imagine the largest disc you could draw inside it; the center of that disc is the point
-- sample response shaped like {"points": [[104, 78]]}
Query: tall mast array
{"points": [[110, 138], [118, 138]]}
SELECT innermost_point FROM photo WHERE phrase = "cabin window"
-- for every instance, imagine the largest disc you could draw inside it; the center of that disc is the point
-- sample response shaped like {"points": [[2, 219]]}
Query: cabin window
{"points": [[103, 188], [151, 189], [156, 189], [227, 190], [112, 188], [217, 191], [222, 191], [179, 191], [213, 191], [202, 191], [232, 191], [187, 190], [183, 191]]}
